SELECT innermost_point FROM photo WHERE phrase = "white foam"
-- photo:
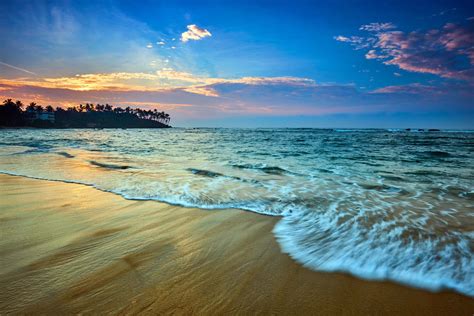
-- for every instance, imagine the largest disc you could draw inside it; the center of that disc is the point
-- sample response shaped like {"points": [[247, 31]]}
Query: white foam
{"points": [[322, 244], [352, 220]]}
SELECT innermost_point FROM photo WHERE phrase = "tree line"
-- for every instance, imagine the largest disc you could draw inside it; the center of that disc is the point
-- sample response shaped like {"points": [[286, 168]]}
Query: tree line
{"points": [[17, 114]]}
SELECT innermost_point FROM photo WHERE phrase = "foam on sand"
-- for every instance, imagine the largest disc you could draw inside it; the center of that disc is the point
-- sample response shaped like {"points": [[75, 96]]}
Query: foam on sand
{"points": [[70, 249]]}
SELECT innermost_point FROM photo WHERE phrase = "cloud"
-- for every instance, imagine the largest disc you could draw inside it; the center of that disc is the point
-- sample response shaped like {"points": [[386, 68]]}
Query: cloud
{"points": [[444, 12], [371, 54], [356, 41], [377, 27], [164, 79], [414, 88], [194, 33], [187, 96], [447, 52], [341, 38], [203, 90], [240, 96]]}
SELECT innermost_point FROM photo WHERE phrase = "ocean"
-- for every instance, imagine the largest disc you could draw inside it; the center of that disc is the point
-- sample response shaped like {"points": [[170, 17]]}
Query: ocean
{"points": [[379, 204]]}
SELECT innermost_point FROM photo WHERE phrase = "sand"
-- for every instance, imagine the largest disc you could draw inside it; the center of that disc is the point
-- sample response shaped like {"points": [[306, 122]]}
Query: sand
{"points": [[71, 249]]}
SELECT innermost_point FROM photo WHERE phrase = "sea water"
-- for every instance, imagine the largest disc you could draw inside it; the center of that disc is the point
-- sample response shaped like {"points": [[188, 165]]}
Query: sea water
{"points": [[379, 204]]}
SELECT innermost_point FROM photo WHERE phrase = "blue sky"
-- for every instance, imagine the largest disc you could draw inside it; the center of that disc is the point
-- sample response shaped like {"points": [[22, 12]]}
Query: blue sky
{"points": [[248, 63]]}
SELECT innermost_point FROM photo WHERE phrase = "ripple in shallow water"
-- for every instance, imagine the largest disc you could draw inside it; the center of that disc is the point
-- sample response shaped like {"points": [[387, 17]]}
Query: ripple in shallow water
{"points": [[377, 204]]}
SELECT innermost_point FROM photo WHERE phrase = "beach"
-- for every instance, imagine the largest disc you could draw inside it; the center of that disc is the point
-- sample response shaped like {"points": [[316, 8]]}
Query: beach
{"points": [[237, 157], [72, 249]]}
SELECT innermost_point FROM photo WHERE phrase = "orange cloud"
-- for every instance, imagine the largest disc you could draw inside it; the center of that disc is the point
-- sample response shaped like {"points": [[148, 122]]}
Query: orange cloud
{"points": [[162, 80]]}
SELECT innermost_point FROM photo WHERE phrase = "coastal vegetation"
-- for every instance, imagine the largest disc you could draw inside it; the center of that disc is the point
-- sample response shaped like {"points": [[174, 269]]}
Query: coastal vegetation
{"points": [[16, 114]]}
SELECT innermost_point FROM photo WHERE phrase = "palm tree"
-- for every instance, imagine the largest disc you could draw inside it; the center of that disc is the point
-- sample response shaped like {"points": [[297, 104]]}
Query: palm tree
{"points": [[10, 113], [18, 104], [31, 107], [8, 103]]}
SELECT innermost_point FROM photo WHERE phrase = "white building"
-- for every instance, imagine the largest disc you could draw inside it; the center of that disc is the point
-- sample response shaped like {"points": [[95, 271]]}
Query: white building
{"points": [[43, 116]]}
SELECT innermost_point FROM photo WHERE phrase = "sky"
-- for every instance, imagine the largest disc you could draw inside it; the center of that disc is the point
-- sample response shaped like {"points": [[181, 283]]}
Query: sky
{"points": [[358, 64]]}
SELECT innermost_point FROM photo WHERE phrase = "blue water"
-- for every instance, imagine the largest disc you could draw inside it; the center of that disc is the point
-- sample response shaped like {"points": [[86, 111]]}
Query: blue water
{"points": [[379, 204]]}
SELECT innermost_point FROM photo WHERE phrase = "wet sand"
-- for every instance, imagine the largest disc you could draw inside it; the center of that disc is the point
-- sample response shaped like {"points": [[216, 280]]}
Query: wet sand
{"points": [[70, 249]]}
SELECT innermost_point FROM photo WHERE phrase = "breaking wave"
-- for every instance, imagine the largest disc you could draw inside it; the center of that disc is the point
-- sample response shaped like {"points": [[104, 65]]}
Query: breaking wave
{"points": [[369, 203]]}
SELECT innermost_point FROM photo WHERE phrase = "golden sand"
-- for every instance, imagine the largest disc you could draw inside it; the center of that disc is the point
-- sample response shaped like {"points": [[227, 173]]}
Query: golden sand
{"points": [[72, 249]]}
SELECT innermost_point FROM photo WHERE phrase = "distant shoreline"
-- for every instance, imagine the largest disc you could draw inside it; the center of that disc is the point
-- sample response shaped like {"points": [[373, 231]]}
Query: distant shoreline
{"points": [[93, 128], [12, 114]]}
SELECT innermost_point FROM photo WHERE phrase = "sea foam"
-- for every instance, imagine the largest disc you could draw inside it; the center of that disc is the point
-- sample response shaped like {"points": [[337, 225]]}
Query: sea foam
{"points": [[379, 205]]}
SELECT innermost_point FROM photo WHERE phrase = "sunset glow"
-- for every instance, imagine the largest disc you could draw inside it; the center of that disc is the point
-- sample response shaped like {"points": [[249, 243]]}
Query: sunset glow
{"points": [[341, 65]]}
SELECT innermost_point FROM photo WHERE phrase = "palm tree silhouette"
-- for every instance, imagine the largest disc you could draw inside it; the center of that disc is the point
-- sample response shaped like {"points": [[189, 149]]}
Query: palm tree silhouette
{"points": [[31, 107], [19, 105], [13, 113]]}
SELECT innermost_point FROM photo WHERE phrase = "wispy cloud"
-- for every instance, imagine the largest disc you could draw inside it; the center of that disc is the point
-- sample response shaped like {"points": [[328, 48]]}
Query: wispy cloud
{"points": [[17, 68], [164, 79], [357, 42], [203, 90], [194, 33], [377, 27], [414, 88], [371, 54], [185, 95], [447, 52], [441, 13]]}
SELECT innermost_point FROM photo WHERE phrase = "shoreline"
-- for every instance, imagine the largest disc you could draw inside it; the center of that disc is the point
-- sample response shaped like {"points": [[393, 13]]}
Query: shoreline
{"points": [[71, 248], [93, 128]]}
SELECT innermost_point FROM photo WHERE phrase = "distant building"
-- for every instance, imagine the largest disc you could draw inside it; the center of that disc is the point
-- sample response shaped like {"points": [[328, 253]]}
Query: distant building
{"points": [[47, 116], [33, 115]]}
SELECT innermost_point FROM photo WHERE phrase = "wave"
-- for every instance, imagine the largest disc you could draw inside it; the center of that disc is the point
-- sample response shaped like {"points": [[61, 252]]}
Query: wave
{"points": [[213, 174], [65, 154], [108, 165], [350, 130], [205, 173], [335, 240], [393, 178], [264, 168], [324, 241], [375, 204], [437, 154]]}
